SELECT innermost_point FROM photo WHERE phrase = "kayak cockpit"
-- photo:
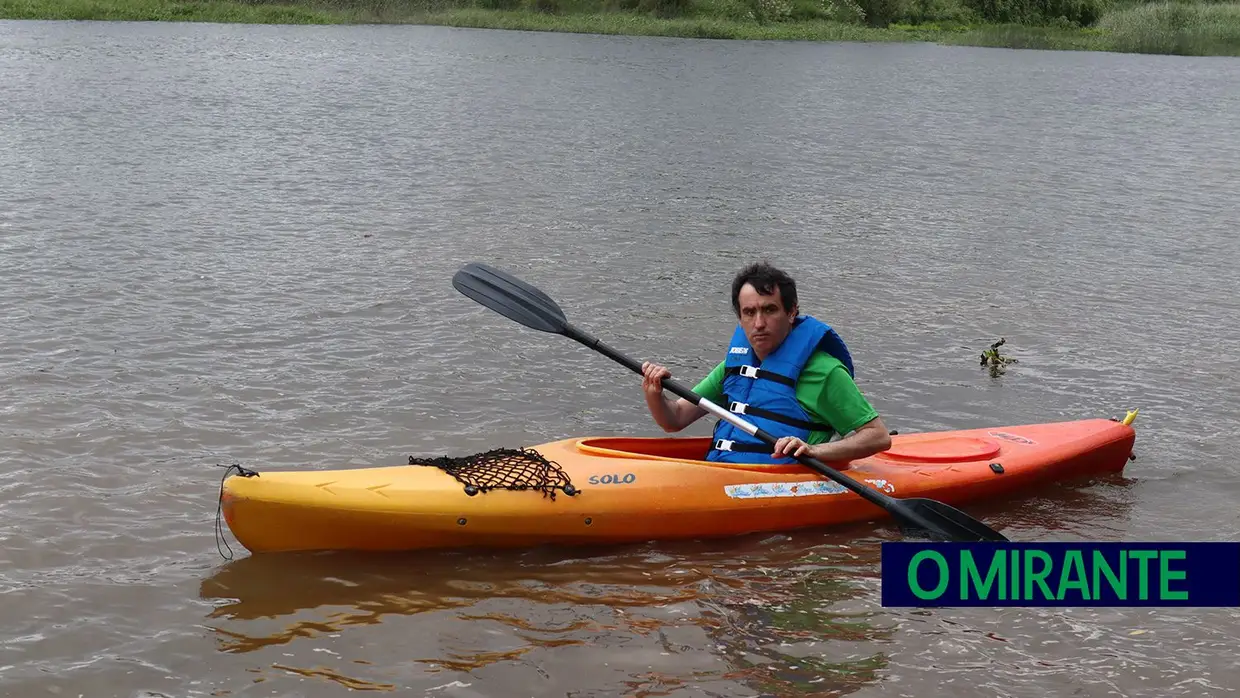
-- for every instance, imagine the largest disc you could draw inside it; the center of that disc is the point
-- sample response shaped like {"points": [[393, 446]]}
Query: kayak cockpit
{"points": [[646, 448], [909, 449], [672, 449]]}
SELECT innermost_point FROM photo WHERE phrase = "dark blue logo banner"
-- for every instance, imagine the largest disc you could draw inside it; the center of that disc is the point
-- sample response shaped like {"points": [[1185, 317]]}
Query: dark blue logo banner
{"points": [[923, 574]]}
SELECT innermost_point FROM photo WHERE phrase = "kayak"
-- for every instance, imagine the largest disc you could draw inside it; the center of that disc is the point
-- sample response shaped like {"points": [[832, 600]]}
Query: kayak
{"points": [[608, 489]]}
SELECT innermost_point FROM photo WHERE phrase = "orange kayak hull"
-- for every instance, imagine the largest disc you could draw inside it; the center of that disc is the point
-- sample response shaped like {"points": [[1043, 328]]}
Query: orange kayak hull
{"points": [[631, 489]]}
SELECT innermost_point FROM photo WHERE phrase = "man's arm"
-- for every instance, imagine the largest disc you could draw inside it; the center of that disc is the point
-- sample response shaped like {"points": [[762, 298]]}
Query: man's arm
{"points": [[870, 438], [670, 414], [841, 404]]}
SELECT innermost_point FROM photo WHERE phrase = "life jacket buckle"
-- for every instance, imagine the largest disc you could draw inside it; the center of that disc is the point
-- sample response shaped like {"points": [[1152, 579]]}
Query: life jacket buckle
{"points": [[723, 444], [748, 371], [737, 407]]}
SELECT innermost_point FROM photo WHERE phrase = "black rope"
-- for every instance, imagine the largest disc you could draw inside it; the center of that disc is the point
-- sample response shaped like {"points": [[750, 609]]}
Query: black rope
{"points": [[503, 468], [219, 507]]}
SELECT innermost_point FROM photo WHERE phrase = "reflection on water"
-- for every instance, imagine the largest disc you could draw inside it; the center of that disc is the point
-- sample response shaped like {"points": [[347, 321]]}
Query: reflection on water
{"points": [[798, 632], [786, 615], [1094, 508], [337, 677], [792, 614]]}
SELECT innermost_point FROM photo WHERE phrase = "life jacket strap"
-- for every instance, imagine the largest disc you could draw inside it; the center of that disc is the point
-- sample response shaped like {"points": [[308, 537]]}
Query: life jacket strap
{"points": [[746, 408], [729, 445], [748, 371]]}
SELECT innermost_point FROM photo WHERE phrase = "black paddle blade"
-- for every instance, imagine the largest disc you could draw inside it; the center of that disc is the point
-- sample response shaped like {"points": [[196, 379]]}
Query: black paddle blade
{"points": [[510, 297], [937, 520]]}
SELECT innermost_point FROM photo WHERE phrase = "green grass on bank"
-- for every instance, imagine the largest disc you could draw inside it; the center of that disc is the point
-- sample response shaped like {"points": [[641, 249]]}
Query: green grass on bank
{"points": [[1176, 28], [1187, 27], [171, 11]]}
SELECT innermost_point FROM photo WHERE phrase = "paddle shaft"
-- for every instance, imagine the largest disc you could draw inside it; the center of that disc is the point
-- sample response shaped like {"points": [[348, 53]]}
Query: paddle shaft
{"points": [[873, 496]]}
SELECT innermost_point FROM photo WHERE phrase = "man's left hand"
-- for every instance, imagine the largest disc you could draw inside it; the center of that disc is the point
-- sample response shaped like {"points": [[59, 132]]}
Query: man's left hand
{"points": [[791, 446]]}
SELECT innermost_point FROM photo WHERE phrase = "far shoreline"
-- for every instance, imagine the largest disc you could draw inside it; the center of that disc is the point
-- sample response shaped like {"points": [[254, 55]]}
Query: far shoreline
{"points": [[1140, 33]]}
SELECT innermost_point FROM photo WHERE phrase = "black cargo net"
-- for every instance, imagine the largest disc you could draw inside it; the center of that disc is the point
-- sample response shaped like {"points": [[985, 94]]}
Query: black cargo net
{"points": [[503, 468]]}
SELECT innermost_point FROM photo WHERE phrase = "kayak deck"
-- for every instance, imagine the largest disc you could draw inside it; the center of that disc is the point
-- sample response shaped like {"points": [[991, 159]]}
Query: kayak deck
{"points": [[599, 490]]}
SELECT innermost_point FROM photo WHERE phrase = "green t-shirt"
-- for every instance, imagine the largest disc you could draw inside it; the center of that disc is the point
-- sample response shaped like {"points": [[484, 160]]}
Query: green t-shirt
{"points": [[825, 390]]}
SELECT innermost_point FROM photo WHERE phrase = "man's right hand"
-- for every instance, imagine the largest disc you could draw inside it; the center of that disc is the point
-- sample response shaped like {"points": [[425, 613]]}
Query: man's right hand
{"points": [[652, 378], [672, 414]]}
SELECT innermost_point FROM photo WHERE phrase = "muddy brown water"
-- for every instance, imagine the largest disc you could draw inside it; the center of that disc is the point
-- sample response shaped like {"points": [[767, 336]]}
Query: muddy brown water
{"points": [[227, 244]]}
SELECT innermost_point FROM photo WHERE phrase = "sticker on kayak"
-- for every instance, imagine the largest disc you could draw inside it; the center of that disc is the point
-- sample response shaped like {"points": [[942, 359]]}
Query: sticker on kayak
{"points": [[1012, 437], [883, 485], [762, 490], [783, 489]]}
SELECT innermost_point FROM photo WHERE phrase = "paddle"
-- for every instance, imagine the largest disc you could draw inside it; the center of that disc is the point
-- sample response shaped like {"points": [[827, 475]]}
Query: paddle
{"points": [[529, 306]]}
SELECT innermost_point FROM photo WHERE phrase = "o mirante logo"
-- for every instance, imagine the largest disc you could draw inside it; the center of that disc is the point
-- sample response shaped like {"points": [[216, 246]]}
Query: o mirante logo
{"points": [[1060, 574]]}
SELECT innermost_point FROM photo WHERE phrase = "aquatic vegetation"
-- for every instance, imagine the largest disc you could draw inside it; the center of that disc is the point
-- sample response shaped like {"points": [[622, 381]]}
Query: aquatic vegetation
{"points": [[996, 362]]}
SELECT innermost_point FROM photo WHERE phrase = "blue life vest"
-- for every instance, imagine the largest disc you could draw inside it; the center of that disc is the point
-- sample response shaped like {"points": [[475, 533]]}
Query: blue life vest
{"points": [[765, 392]]}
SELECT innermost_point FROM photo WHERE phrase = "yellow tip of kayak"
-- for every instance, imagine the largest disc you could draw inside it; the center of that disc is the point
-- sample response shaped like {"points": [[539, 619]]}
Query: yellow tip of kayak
{"points": [[1132, 414]]}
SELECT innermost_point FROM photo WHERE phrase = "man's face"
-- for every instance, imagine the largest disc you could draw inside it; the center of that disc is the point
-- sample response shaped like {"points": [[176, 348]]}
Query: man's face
{"points": [[764, 319]]}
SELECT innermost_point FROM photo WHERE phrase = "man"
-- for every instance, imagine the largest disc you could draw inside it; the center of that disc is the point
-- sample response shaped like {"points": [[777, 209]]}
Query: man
{"points": [[789, 374]]}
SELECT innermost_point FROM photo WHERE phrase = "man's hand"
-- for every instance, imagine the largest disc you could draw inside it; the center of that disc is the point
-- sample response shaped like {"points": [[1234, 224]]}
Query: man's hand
{"points": [[791, 446], [652, 378], [869, 439], [672, 414]]}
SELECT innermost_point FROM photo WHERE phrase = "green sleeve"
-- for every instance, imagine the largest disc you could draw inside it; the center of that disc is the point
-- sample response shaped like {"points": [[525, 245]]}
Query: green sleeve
{"points": [[839, 402], [711, 387]]}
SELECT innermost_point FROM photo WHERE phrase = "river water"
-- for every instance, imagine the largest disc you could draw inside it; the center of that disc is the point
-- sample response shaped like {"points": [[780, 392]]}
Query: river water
{"points": [[234, 244]]}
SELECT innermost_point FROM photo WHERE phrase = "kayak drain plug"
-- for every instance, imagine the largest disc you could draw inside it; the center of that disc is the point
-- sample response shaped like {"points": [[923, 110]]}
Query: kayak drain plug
{"points": [[997, 467], [461, 521]]}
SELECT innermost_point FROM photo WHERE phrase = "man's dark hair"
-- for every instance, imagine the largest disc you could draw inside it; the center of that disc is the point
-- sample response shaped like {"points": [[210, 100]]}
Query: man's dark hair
{"points": [[765, 278]]}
